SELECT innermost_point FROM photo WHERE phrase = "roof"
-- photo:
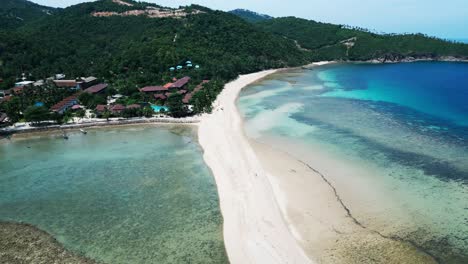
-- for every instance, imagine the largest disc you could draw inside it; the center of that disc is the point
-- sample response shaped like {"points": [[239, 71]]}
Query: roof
{"points": [[117, 107], [133, 106], [39, 83], [18, 89], [181, 82], [168, 85], [3, 117], [189, 96], [76, 107], [149, 89], [160, 96], [65, 83], [89, 79], [182, 91], [96, 88], [101, 108], [23, 83], [65, 102]]}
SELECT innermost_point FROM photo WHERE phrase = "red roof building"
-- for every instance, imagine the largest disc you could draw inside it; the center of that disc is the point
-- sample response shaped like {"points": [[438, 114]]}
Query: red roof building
{"points": [[168, 85], [3, 118], [182, 91], [118, 108], [18, 89], [181, 83], [66, 103], [160, 96], [153, 89], [98, 88], [101, 108], [189, 96], [133, 106], [66, 84]]}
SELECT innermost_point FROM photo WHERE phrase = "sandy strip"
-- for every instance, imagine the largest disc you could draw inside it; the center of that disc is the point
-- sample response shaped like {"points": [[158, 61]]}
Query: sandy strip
{"points": [[254, 228]]}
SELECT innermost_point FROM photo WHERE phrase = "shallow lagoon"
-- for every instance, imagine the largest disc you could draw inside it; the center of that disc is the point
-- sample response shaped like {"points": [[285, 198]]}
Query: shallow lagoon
{"points": [[137, 194], [403, 125]]}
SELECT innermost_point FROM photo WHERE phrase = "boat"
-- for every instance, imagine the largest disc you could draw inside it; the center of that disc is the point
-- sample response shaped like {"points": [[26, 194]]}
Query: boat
{"points": [[84, 131]]}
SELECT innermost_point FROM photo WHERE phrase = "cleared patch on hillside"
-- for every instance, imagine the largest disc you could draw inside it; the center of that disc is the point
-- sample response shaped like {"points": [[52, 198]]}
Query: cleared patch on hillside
{"points": [[152, 12]]}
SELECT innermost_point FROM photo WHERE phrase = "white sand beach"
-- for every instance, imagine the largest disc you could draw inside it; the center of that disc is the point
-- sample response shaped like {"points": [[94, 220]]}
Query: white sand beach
{"points": [[276, 209], [254, 228]]}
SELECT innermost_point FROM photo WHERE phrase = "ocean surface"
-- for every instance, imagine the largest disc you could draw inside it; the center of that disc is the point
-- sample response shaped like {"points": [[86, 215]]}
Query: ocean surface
{"points": [[400, 130], [137, 194]]}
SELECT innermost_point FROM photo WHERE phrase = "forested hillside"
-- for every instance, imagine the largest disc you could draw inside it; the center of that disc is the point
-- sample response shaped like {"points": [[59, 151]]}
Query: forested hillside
{"points": [[250, 16], [15, 13], [336, 42], [139, 49], [131, 44]]}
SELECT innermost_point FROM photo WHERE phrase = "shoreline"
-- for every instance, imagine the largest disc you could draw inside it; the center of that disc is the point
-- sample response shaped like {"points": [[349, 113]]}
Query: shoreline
{"points": [[102, 123], [255, 229], [282, 209]]}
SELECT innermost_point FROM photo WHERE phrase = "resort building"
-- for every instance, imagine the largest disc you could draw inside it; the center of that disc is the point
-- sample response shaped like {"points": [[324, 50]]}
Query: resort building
{"points": [[101, 109], [3, 118], [134, 106], [88, 82], [181, 83], [117, 109], [189, 96], [97, 89], [153, 89], [71, 84], [160, 97], [4, 93], [65, 104]]}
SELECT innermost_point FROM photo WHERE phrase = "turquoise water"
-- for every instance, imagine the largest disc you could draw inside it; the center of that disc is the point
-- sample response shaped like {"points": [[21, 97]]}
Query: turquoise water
{"points": [[404, 125], [117, 195], [157, 108]]}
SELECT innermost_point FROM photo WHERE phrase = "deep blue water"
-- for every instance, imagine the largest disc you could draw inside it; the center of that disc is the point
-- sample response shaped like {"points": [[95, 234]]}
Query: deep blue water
{"points": [[439, 89]]}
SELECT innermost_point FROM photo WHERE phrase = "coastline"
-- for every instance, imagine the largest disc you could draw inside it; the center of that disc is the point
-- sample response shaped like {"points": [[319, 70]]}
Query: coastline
{"points": [[101, 123], [282, 209], [255, 230]]}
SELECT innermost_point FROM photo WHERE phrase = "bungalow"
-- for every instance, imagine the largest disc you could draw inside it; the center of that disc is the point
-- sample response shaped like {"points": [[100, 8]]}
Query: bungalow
{"points": [[17, 89], [181, 83], [88, 82], [153, 89], [118, 108], [71, 84], [65, 104], [3, 118], [134, 106], [4, 93], [101, 109], [189, 96], [77, 107], [96, 89], [160, 97]]}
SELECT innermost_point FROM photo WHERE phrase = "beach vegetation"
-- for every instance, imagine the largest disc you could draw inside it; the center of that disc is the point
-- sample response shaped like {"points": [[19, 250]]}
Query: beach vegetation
{"points": [[36, 114]]}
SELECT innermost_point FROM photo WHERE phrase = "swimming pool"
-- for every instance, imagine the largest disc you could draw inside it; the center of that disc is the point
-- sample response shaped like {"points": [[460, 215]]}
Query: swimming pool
{"points": [[157, 108]]}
